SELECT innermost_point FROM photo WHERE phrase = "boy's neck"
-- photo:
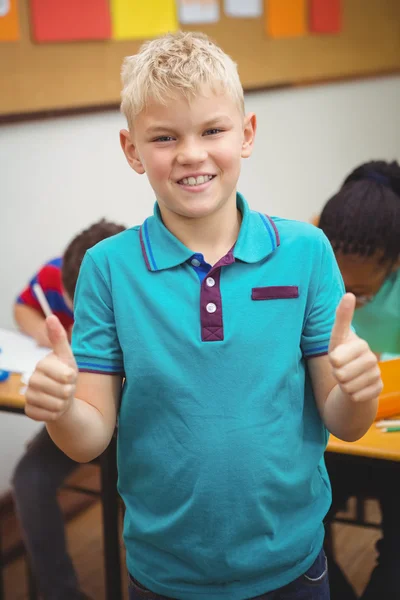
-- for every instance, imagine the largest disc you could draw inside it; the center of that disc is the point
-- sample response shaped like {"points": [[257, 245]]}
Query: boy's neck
{"points": [[211, 236]]}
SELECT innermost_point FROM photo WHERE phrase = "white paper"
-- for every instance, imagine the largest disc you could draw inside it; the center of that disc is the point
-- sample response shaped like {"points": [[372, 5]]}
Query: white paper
{"points": [[244, 8], [198, 11], [4, 7], [19, 353]]}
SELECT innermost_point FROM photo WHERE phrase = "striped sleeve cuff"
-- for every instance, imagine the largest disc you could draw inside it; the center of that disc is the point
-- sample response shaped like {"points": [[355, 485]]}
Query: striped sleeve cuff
{"points": [[98, 365], [315, 350]]}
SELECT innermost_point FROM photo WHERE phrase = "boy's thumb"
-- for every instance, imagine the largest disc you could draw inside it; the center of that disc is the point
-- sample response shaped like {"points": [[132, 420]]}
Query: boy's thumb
{"points": [[344, 317], [59, 340]]}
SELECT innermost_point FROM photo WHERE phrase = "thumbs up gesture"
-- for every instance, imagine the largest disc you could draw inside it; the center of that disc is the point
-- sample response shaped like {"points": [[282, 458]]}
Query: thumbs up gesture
{"points": [[51, 388], [354, 365]]}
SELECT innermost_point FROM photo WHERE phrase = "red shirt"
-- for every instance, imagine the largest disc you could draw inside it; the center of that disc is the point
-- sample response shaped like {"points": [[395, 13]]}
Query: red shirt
{"points": [[49, 278]]}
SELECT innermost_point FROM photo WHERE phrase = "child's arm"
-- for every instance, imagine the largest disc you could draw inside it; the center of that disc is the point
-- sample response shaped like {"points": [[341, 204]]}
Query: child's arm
{"points": [[31, 322], [80, 412], [347, 382]]}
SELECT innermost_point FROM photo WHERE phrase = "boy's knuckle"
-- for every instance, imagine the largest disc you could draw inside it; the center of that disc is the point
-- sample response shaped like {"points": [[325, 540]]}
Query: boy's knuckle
{"points": [[335, 360], [66, 391], [347, 387]]}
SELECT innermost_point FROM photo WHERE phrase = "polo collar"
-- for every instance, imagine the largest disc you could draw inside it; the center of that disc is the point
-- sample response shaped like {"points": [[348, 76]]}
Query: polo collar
{"points": [[258, 237]]}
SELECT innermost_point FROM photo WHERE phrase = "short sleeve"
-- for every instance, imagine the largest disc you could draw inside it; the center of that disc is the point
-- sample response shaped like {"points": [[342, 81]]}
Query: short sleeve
{"points": [[94, 338], [325, 292]]}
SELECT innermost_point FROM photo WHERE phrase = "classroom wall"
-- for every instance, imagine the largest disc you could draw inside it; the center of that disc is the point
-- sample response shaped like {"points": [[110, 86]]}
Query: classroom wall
{"points": [[57, 176]]}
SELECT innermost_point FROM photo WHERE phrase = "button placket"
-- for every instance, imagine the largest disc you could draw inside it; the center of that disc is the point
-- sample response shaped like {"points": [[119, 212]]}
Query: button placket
{"points": [[211, 308]]}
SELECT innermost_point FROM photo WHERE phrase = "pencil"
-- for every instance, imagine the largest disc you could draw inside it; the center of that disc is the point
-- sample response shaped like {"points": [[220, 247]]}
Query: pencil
{"points": [[39, 293], [388, 423], [390, 429]]}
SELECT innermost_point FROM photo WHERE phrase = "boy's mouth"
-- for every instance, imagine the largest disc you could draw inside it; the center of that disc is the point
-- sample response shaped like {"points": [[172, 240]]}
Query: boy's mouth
{"points": [[195, 181]]}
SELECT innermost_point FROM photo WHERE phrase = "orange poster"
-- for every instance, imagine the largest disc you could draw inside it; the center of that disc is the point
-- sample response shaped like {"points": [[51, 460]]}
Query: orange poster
{"points": [[9, 25], [286, 18]]}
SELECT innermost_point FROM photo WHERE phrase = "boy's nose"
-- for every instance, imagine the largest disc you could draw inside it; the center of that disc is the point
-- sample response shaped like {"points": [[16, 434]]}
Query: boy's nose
{"points": [[191, 154]]}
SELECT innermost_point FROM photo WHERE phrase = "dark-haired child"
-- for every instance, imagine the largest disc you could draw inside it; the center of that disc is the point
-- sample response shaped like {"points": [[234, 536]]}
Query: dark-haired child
{"points": [[362, 222]]}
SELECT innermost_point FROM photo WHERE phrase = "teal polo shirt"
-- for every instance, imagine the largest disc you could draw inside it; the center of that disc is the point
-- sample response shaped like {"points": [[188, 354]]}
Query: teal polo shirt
{"points": [[220, 444], [378, 322]]}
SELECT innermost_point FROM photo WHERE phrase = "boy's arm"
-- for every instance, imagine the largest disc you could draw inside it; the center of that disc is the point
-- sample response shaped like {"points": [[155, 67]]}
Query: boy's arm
{"points": [[80, 412], [31, 322], [347, 382]]}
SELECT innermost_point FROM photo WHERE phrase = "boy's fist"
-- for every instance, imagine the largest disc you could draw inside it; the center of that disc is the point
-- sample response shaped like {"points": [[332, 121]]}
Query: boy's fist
{"points": [[51, 388], [354, 365]]}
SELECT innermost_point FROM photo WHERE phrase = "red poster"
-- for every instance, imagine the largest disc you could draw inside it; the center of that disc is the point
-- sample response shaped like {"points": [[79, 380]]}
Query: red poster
{"points": [[325, 16], [70, 20]]}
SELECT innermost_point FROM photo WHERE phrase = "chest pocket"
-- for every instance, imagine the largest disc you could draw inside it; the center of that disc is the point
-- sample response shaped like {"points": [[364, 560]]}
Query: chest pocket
{"points": [[275, 292]]}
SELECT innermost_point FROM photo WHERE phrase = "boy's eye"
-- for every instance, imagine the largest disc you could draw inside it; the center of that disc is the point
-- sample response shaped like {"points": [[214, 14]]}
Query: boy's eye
{"points": [[163, 138], [213, 131]]}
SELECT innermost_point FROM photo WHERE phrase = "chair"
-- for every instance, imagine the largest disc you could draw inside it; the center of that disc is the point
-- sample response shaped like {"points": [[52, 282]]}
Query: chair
{"points": [[110, 519]]}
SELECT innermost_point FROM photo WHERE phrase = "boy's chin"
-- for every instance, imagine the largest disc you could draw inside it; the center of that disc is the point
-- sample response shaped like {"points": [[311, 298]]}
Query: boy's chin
{"points": [[199, 210]]}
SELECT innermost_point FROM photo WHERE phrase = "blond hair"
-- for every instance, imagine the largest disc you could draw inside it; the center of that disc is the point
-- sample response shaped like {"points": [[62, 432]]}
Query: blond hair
{"points": [[181, 62]]}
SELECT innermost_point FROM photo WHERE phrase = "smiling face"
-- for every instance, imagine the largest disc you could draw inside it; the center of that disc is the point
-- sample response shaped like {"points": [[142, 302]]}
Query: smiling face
{"points": [[191, 152]]}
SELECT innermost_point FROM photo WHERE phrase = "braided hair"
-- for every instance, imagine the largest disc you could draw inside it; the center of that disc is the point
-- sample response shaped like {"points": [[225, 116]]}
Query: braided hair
{"points": [[363, 217]]}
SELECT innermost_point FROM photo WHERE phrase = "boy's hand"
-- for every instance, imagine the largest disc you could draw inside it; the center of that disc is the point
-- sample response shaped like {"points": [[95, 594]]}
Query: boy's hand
{"points": [[354, 365], [51, 388]]}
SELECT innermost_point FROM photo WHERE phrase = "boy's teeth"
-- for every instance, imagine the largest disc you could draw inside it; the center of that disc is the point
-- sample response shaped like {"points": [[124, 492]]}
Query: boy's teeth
{"points": [[196, 180]]}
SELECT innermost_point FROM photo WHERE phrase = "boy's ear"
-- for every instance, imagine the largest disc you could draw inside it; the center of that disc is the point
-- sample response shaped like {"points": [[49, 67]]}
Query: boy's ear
{"points": [[249, 132], [130, 151]]}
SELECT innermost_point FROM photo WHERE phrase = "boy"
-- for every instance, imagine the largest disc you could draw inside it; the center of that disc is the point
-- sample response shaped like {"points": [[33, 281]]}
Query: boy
{"points": [[209, 311], [362, 222], [43, 468]]}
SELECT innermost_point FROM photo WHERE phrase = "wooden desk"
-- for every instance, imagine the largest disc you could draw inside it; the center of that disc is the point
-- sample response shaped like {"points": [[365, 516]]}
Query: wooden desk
{"points": [[12, 401], [10, 398], [374, 444], [379, 450]]}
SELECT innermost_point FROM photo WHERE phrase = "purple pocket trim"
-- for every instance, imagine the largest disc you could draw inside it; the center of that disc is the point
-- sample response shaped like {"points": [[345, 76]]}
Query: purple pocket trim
{"points": [[275, 292]]}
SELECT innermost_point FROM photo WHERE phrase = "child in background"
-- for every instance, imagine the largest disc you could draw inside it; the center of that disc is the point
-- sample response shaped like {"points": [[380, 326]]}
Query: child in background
{"points": [[222, 321], [362, 222], [28, 313], [43, 468], [57, 278]]}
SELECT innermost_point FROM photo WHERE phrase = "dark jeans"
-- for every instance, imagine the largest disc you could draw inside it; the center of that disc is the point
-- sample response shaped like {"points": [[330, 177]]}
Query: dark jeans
{"points": [[38, 475], [313, 585], [376, 479]]}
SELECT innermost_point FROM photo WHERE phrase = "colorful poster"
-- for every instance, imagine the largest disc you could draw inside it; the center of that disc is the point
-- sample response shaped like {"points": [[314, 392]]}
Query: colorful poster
{"points": [[68, 21], [244, 8], [138, 19], [286, 18], [198, 11], [325, 16], [9, 25]]}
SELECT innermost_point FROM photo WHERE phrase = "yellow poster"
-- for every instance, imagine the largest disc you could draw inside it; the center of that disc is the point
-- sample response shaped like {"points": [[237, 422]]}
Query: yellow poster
{"points": [[142, 19]]}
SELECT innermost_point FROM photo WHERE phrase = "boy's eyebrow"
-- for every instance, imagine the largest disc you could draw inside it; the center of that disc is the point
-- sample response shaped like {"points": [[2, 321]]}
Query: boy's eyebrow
{"points": [[158, 129], [217, 119], [162, 128]]}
